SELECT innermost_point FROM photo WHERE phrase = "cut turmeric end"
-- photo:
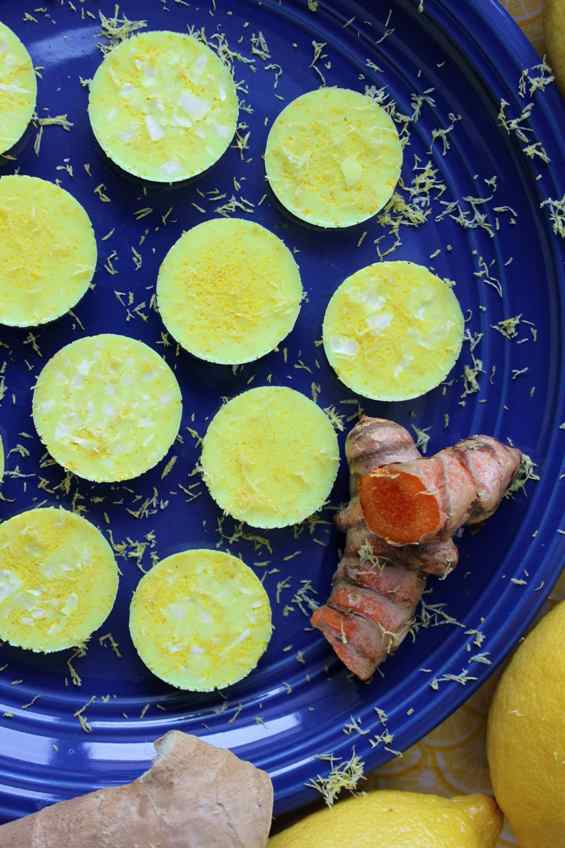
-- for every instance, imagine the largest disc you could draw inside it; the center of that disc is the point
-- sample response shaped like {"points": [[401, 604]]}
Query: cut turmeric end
{"points": [[398, 507]]}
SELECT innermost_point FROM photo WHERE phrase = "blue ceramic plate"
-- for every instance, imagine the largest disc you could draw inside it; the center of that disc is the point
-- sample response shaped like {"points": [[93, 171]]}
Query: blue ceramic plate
{"points": [[293, 708]]}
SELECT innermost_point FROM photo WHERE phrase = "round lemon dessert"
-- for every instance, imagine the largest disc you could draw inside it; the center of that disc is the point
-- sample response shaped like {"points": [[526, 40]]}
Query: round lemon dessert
{"points": [[333, 157], [229, 291], [270, 457], [58, 580], [18, 88], [47, 251], [107, 407], [393, 331], [163, 106], [200, 620]]}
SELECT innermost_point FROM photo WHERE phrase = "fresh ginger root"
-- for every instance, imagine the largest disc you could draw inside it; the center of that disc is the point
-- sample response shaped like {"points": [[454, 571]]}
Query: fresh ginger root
{"points": [[399, 526], [194, 796]]}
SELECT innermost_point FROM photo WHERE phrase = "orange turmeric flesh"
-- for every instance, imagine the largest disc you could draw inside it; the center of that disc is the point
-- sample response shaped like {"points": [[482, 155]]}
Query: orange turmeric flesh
{"points": [[398, 507]]}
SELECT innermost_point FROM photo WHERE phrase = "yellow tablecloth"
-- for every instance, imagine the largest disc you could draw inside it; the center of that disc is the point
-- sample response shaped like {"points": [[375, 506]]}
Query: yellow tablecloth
{"points": [[452, 759]]}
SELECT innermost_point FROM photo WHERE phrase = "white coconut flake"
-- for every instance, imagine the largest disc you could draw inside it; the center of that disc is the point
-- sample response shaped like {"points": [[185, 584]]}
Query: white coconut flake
{"points": [[180, 121], [242, 636], [374, 300], [70, 604], [379, 321], [195, 106], [406, 360], [84, 367], [13, 88], [154, 128], [420, 338], [61, 431], [9, 583], [171, 168], [344, 346], [199, 66], [223, 132], [55, 569], [351, 171]]}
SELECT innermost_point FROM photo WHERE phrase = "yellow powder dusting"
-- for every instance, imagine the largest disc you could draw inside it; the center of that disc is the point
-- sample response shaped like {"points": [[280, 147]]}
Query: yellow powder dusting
{"points": [[393, 331], [163, 106], [270, 457], [51, 561], [333, 157], [47, 251], [229, 291], [18, 88], [200, 620]]}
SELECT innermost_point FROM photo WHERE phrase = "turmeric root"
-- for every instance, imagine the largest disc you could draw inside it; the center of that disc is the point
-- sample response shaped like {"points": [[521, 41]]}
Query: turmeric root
{"points": [[429, 499], [379, 583], [194, 796]]}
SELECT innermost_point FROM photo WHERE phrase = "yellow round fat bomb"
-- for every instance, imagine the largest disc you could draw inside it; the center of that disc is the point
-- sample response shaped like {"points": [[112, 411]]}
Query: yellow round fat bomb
{"points": [[18, 88], [163, 106], [200, 620], [58, 580], [393, 331], [270, 457], [333, 157], [47, 251], [107, 407], [229, 291]]}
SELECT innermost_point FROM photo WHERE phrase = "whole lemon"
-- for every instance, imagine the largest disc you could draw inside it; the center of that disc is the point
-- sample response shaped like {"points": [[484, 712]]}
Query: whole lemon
{"points": [[554, 30], [398, 820], [526, 736]]}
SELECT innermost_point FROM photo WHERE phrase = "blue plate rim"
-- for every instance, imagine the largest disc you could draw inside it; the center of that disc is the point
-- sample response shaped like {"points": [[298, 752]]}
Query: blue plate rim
{"points": [[496, 50], [477, 26]]}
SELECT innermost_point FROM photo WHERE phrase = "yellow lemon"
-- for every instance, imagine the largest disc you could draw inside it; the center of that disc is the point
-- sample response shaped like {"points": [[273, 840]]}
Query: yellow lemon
{"points": [[554, 29], [526, 736], [398, 820]]}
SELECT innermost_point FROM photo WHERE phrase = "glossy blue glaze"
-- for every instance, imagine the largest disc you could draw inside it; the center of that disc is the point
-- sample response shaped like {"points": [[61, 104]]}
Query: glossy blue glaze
{"points": [[288, 712]]}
